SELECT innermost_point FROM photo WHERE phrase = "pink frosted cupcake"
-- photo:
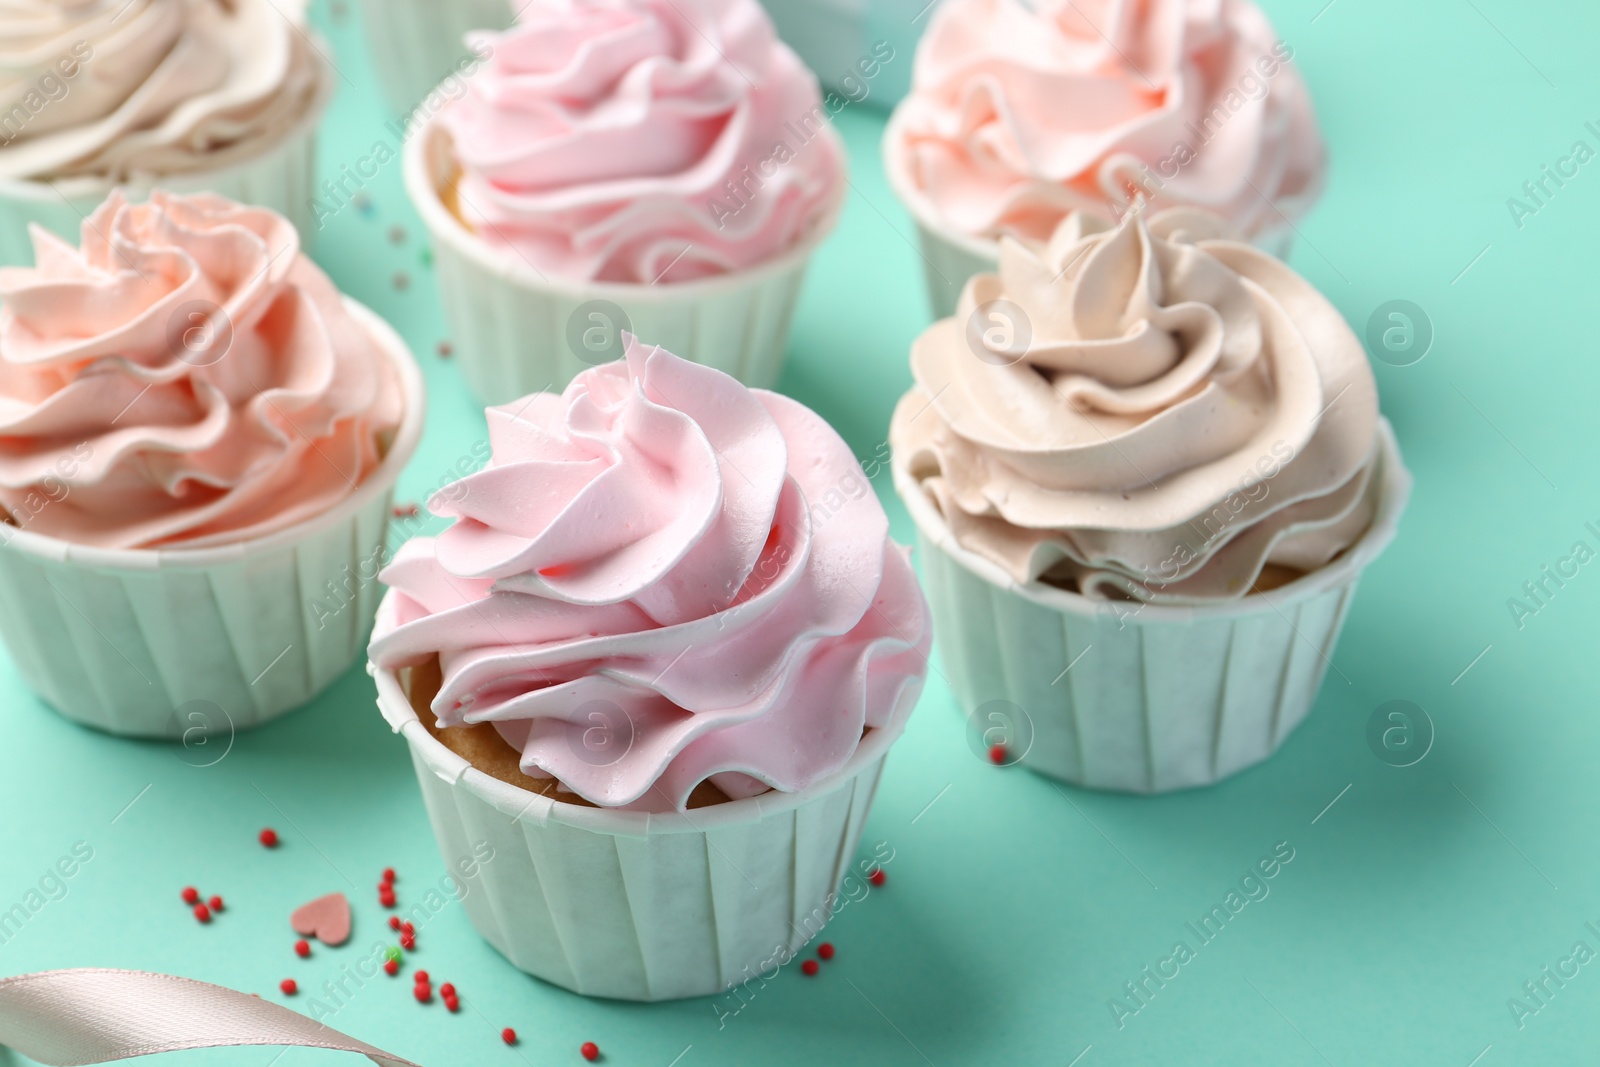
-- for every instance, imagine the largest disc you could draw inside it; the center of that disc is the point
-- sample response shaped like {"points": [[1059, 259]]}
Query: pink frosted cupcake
{"points": [[656, 664], [646, 165], [198, 441], [1022, 112]]}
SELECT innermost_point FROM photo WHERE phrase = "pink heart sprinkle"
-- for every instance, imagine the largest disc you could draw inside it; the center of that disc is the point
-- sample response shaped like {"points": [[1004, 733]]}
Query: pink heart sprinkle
{"points": [[327, 919]]}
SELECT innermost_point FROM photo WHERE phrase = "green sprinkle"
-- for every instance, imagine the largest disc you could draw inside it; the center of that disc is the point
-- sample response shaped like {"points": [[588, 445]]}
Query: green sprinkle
{"points": [[393, 953]]}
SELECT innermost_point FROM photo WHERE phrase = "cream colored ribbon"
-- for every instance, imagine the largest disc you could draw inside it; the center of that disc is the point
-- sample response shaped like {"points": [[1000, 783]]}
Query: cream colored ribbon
{"points": [[94, 1015]]}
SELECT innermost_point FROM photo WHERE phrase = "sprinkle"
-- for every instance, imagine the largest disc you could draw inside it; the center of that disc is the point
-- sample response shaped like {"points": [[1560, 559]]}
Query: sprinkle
{"points": [[191, 895], [302, 949], [447, 990], [288, 987], [397, 234], [446, 350], [391, 967], [392, 953], [555, 570], [421, 978], [400, 511], [426, 257], [809, 968], [388, 872], [202, 913], [825, 950], [268, 837], [363, 203], [394, 922], [452, 1003], [216, 903], [424, 994], [402, 280], [998, 755], [509, 1036], [408, 942], [877, 877], [407, 928], [589, 1051]]}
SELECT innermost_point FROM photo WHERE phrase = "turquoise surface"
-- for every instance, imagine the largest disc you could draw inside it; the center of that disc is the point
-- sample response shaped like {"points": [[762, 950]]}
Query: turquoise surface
{"points": [[1419, 900]]}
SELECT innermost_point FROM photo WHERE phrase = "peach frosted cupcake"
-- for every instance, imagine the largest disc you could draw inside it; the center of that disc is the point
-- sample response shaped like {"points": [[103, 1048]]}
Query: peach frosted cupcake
{"points": [[644, 166], [1021, 112], [1147, 468], [656, 664], [199, 438]]}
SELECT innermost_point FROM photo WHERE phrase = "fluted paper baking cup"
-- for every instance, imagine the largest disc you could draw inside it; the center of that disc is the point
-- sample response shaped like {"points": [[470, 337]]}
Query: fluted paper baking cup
{"points": [[415, 44], [516, 331], [1139, 699], [152, 642], [281, 177], [950, 257], [634, 906]]}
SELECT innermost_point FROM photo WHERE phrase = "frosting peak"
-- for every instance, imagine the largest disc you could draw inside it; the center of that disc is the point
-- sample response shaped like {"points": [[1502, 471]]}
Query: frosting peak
{"points": [[653, 539], [186, 377], [1151, 409], [1024, 110], [642, 141]]}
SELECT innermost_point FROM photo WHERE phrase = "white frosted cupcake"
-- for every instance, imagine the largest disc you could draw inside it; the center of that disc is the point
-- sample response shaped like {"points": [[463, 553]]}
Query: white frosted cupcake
{"points": [[416, 44], [655, 664], [1024, 110], [1147, 467], [219, 96], [199, 438], [642, 166]]}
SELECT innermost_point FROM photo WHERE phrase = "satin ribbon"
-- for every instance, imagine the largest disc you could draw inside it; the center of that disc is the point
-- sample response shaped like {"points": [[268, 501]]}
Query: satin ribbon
{"points": [[94, 1015]]}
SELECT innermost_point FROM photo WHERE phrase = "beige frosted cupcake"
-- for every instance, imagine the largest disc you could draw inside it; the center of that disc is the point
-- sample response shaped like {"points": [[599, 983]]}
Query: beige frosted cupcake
{"points": [[1023, 111], [199, 439], [219, 96], [644, 166], [1147, 468]]}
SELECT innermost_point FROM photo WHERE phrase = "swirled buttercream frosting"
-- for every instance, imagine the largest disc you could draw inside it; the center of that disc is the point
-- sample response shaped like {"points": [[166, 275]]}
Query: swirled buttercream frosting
{"points": [[185, 377], [642, 141], [663, 578], [1024, 110], [1152, 410]]}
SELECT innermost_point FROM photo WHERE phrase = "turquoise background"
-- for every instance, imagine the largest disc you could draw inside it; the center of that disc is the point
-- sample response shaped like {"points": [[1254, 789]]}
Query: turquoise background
{"points": [[1414, 907]]}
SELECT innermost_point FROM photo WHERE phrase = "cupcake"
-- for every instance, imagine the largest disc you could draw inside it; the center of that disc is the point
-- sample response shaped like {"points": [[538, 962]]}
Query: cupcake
{"points": [[1147, 468], [416, 44], [1022, 112], [199, 439], [655, 664], [660, 167], [195, 95]]}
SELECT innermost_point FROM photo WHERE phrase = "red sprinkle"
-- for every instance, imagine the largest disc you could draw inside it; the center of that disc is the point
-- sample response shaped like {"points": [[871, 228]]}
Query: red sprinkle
{"points": [[386, 898], [216, 903], [877, 877], [825, 950], [407, 928], [408, 942], [447, 991], [202, 913], [391, 967], [288, 987], [302, 948], [421, 978], [555, 570], [445, 348], [809, 968], [589, 1051], [269, 837], [388, 872], [998, 755], [394, 922], [423, 993], [509, 1036], [452, 1003], [191, 895]]}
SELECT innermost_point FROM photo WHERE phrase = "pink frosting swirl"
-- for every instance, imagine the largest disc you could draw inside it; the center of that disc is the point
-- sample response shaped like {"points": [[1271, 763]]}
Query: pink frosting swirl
{"points": [[643, 141], [1023, 112], [185, 377], [705, 561]]}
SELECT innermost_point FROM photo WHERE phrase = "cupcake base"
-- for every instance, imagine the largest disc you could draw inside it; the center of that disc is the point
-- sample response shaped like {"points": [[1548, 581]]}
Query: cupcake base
{"points": [[634, 906], [189, 643], [1139, 698], [281, 177], [517, 332]]}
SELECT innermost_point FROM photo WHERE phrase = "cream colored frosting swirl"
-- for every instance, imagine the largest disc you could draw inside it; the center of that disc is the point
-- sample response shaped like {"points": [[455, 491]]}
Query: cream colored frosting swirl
{"points": [[126, 89], [1153, 409]]}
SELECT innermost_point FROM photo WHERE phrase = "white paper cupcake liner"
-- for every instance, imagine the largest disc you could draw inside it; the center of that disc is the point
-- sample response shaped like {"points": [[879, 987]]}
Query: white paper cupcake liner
{"points": [[149, 642], [415, 43], [281, 177], [513, 330], [1139, 699], [634, 906], [950, 257]]}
